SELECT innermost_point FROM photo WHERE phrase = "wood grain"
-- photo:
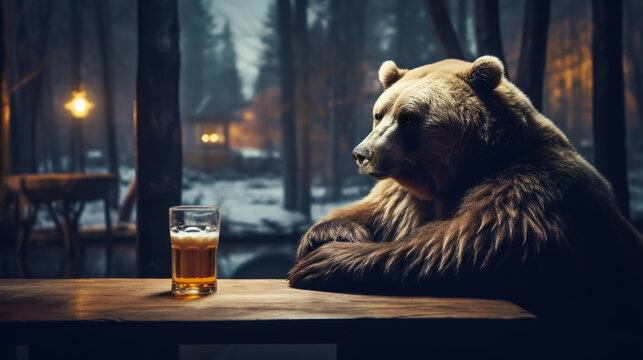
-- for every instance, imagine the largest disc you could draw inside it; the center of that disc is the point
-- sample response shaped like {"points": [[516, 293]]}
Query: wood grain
{"points": [[149, 300], [241, 311]]}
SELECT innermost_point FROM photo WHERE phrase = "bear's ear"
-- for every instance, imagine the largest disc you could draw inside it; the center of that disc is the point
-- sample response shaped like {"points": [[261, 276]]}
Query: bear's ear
{"points": [[389, 73], [485, 73]]}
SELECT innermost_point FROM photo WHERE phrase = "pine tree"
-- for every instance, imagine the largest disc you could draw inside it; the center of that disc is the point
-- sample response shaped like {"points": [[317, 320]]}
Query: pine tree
{"points": [[197, 54], [288, 126], [415, 44], [225, 87], [269, 68]]}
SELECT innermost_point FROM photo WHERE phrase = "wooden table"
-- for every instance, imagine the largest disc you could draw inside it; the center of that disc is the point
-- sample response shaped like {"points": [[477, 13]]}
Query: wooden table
{"points": [[68, 192], [142, 311]]}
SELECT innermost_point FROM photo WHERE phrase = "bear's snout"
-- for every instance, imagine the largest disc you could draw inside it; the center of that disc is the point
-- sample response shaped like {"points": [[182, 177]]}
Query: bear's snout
{"points": [[362, 155]]}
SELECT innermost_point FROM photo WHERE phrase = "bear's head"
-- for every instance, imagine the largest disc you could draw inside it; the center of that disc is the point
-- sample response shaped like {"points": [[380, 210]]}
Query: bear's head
{"points": [[429, 121]]}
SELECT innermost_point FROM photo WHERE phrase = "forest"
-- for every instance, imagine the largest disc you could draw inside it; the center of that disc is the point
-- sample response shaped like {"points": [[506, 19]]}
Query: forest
{"points": [[270, 96], [113, 111]]}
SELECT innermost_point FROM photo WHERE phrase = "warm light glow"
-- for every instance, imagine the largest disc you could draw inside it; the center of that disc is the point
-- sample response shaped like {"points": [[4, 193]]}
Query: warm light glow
{"points": [[248, 115], [212, 138], [79, 106]]}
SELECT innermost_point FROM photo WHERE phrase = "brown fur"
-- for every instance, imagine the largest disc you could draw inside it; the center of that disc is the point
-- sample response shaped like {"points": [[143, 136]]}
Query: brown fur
{"points": [[481, 195]]}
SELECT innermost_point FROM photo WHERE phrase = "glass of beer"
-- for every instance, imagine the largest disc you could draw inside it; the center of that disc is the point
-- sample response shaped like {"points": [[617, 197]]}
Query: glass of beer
{"points": [[194, 234]]}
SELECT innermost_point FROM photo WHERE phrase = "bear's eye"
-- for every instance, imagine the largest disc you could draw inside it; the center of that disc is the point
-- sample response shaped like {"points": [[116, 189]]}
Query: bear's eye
{"points": [[406, 118], [378, 117]]}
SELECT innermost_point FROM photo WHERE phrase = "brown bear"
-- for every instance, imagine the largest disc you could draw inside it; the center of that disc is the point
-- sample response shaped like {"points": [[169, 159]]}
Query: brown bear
{"points": [[478, 194]]}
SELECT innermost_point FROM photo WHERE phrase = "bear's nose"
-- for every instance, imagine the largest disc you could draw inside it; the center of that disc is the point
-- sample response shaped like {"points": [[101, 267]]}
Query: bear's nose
{"points": [[362, 155]]}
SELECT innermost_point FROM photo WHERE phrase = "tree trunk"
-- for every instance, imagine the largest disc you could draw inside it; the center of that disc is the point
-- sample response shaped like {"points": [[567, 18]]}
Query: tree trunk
{"points": [[77, 146], [487, 20], [194, 43], [438, 16], [462, 13], [102, 33], [50, 126], [158, 133], [18, 150], [333, 178], [22, 61], [402, 33], [4, 108], [37, 84], [634, 51], [303, 100], [346, 51], [608, 98], [288, 128], [533, 50]]}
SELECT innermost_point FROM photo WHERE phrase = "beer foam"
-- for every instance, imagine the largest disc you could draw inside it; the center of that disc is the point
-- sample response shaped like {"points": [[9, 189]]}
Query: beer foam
{"points": [[202, 238]]}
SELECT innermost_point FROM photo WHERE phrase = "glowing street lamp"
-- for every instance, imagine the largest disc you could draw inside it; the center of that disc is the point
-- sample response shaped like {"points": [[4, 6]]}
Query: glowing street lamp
{"points": [[79, 106]]}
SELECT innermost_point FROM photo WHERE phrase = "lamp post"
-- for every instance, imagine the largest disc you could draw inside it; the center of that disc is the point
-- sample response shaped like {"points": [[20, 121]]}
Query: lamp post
{"points": [[79, 108]]}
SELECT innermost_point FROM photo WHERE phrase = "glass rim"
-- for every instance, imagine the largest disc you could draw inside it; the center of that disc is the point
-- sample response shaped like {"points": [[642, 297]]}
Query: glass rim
{"points": [[195, 207]]}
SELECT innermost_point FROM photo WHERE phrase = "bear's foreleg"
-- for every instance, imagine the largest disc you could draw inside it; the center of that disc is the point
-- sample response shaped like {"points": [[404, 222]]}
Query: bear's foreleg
{"points": [[460, 251], [420, 263], [335, 230]]}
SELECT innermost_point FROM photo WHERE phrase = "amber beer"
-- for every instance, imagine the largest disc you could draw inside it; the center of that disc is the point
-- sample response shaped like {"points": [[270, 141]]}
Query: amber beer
{"points": [[194, 261], [194, 237]]}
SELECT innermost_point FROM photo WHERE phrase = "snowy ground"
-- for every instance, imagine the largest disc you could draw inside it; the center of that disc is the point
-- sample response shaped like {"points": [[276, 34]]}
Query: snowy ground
{"points": [[251, 204], [635, 176], [255, 204]]}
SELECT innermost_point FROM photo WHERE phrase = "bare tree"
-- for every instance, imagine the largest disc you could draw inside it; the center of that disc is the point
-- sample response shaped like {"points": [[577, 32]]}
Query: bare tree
{"points": [[158, 132], [37, 83], [634, 51], [51, 149], [303, 99], [108, 101], [4, 107], [346, 39], [608, 98], [438, 16], [533, 50], [333, 170], [288, 127], [27, 49], [77, 146], [402, 38], [487, 25], [462, 9]]}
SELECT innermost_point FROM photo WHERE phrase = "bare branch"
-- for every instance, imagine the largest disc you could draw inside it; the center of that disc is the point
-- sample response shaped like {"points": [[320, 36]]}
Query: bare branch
{"points": [[487, 25], [533, 50], [438, 16], [32, 75]]}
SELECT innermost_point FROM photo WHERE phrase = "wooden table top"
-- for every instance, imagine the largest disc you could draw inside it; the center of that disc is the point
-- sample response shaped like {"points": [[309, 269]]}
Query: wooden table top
{"points": [[79, 186], [61, 180], [241, 311]]}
